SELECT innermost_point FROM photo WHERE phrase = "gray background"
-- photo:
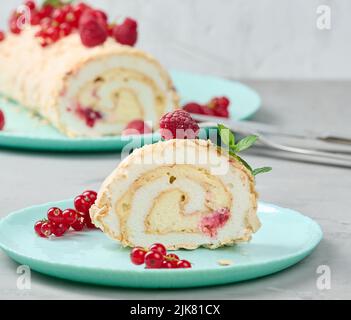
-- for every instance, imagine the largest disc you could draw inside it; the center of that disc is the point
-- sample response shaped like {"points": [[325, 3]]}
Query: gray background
{"points": [[260, 42], [269, 39]]}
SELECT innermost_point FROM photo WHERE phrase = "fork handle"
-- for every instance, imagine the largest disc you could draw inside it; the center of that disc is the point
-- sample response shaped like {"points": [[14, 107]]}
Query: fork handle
{"points": [[316, 153]]}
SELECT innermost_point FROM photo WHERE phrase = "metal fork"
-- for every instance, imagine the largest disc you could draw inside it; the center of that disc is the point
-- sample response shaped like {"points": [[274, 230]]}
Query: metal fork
{"points": [[281, 147]]}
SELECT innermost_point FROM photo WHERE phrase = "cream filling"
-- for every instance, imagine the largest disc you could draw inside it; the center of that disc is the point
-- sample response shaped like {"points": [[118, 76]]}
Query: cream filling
{"points": [[121, 88], [143, 200], [140, 205]]}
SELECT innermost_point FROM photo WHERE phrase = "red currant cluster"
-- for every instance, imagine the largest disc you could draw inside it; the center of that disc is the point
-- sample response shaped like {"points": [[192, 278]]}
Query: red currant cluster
{"points": [[60, 21], [217, 107], [2, 120], [59, 221], [156, 257]]}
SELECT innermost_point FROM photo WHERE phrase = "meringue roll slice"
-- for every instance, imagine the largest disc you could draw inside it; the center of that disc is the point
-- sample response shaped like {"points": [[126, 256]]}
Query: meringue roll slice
{"points": [[84, 91], [181, 193]]}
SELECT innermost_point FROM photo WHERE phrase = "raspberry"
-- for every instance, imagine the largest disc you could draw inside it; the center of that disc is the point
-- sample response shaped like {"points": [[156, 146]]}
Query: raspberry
{"points": [[210, 224], [221, 112], [208, 111], [126, 32], [220, 105], [101, 14], [2, 35], [178, 124], [193, 107], [92, 29], [136, 127], [221, 102]]}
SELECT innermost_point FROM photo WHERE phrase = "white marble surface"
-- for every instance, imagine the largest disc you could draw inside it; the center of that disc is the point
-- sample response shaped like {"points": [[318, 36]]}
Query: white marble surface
{"points": [[266, 39], [321, 192]]}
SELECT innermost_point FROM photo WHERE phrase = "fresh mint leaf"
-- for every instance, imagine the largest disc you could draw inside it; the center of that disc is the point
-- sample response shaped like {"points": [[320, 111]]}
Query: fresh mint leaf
{"points": [[227, 136], [245, 143], [261, 170], [56, 3], [246, 165]]}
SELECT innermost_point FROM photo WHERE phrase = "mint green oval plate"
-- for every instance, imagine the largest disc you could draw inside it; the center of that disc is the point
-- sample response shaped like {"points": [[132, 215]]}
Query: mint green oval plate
{"points": [[285, 238], [23, 130]]}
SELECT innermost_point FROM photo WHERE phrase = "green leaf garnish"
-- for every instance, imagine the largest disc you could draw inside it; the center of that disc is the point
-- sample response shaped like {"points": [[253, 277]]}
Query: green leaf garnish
{"points": [[226, 135], [228, 138], [56, 3], [240, 159], [245, 143], [257, 171]]}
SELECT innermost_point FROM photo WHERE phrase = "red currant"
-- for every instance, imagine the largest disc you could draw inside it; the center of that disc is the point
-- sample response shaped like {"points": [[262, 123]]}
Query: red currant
{"points": [[46, 11], [168, 265], [65, 29], [153, 260], [79, 224], [46, 229], [2, 120], [67, 8], [80, 8], [88, 222], [45, 23], [71, 19], [53, 34], [70, 216], [137, 255], [37, 228], [172, 257], [59, 229], [59, 16], [183, 264], [34, 19], [30, 4], [82, 204], [92, 195], [158, 247], [44, 42], [55, 215]]}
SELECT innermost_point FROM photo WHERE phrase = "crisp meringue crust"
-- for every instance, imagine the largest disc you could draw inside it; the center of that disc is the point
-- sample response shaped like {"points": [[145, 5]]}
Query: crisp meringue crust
{"points": [[120, 82], [165, 200]]}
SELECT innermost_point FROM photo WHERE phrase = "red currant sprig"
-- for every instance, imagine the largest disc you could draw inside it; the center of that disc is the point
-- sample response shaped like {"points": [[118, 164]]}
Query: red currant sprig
{"points": [[156, 257], [59, 222], [83, 203]]}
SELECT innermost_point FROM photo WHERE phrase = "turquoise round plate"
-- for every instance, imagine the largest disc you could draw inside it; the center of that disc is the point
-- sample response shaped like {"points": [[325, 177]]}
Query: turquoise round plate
{"points": [[25, 131], [285, 238]]}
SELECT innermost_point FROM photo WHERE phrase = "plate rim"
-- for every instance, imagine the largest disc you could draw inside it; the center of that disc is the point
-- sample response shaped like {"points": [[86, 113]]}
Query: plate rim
{"points": [[29, 141], [306, 250]]}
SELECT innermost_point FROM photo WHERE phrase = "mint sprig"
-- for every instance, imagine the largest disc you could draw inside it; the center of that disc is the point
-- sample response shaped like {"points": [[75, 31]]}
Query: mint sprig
{"points": [[228, 138]]}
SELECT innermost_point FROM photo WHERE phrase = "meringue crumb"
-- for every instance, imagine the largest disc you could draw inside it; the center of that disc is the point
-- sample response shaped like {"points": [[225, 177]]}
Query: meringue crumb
{"points": [[224, 262]]}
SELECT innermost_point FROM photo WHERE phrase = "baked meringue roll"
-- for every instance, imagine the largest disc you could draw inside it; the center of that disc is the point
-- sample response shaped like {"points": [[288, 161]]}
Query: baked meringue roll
{"points": [[84, 91], [183, 193]]}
